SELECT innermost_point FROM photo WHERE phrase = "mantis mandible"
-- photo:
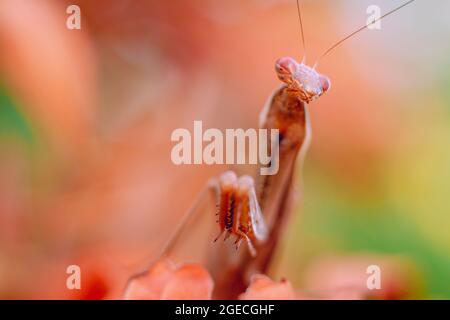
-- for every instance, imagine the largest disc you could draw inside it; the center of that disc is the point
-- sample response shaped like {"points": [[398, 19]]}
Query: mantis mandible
{"points": [[256, 212]]}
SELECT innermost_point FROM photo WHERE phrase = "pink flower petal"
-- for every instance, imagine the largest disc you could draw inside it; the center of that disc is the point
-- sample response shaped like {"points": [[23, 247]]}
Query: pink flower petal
{"points": [[263, 288], [189, 282], [151, 285], [166, 281]]}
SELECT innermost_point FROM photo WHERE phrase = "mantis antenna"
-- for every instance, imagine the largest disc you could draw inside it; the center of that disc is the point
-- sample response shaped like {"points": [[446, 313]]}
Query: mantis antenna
{"points": [[361, 29], [301, 29]]}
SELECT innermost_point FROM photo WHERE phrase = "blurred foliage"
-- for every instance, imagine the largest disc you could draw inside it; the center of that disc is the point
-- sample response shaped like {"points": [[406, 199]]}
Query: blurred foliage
{"points": [[337, 220], [12, 120]]}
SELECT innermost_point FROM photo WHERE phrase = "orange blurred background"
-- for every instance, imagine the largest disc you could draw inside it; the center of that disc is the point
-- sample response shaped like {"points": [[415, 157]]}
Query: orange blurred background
{"points": [[86, 117]]}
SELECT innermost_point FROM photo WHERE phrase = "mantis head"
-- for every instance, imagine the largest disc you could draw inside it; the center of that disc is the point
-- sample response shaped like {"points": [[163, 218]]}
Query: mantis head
{"points": [[302, 80], [305, 82]]}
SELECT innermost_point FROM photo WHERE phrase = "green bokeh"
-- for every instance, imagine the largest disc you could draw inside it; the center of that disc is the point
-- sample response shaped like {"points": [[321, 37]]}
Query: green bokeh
{"points": [[350, 225], [13, 123]]}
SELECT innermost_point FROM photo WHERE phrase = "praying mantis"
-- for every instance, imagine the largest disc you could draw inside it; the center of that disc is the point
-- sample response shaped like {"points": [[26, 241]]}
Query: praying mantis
{"points": [[255, 210]]}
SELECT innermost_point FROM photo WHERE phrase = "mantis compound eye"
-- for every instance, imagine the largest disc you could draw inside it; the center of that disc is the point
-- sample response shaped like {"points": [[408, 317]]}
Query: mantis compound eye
{"points": [[285, 68], [325, 83]]}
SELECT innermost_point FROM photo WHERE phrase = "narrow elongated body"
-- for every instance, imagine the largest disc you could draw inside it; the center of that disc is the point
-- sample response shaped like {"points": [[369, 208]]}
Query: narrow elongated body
{"points": [[287, 112], [239, 211]]}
